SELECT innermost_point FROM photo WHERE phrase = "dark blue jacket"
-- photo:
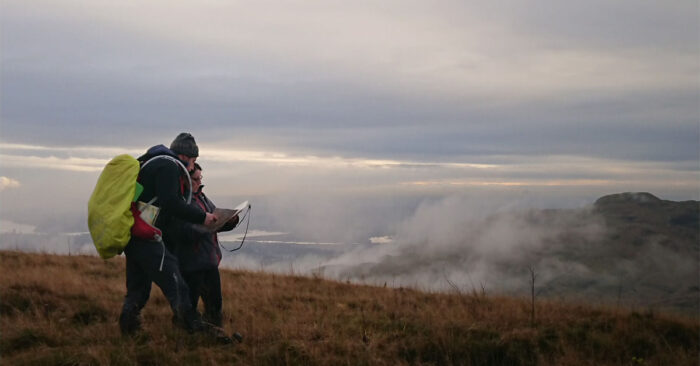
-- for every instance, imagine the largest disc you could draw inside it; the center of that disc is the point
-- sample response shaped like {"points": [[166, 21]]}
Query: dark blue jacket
{"points": [[167, 180]]}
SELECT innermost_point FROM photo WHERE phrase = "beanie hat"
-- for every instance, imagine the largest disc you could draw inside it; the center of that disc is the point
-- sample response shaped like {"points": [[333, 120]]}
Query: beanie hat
{"points": [[184, 144]]}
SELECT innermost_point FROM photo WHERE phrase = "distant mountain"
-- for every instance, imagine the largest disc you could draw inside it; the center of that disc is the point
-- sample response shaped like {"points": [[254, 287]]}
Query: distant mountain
{"points": [[635, 218], [647, 253], [653, 249], [628, 249]]}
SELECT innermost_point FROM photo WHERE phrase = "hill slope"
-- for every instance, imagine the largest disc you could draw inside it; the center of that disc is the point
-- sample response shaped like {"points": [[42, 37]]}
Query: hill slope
{"points": [[63, 310]]}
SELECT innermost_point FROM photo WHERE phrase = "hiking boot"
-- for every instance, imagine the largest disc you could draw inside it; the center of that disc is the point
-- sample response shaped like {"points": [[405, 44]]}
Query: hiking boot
{"points": [[190, 321], [213, 318], [218, 333], [223, 339], [129, 323], [238, 337]]}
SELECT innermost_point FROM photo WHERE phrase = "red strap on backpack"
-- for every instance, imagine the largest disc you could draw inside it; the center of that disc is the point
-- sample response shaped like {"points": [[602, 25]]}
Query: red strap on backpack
{"points": [[141, 229]]}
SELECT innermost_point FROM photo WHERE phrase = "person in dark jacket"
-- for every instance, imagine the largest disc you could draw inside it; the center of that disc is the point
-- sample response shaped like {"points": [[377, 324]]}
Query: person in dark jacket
{"points": [[150, 261], [199, 255]]}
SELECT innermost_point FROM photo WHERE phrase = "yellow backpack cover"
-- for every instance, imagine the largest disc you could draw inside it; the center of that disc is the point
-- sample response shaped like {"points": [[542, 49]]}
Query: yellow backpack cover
{"points": [[109, 209]]}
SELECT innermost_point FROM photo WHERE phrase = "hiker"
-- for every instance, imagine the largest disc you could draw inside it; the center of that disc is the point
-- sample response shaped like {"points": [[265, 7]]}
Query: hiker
{"points": [[152, 261], [199, 255]]}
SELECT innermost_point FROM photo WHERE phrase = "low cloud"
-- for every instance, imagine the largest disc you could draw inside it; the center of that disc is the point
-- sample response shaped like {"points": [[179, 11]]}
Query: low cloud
{"points": [[468, 241], [13, 227], [8, 183], [490, 243]]}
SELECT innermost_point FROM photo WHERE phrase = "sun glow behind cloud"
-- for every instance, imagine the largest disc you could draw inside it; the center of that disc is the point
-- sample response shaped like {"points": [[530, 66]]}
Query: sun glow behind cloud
{"points": [[93, 158], [262, 171], [232, 156], [53, 162], [8, 183]]}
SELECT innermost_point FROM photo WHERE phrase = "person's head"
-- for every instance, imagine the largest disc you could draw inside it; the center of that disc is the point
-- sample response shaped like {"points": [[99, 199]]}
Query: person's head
{"points": [[186, 149], [196, 176]]}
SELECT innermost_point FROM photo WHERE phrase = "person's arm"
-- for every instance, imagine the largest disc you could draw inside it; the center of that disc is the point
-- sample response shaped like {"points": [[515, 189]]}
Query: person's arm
{"points": [[193, 232], [167, 188], [230, 224]]}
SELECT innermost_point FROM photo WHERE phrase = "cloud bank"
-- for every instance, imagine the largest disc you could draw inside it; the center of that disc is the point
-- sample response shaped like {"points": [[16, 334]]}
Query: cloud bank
{"points": [[391, 81], [472, 243]]}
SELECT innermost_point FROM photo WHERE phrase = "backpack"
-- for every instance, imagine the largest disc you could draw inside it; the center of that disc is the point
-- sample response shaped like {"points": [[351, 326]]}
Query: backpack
{"points": [[114, 212]]}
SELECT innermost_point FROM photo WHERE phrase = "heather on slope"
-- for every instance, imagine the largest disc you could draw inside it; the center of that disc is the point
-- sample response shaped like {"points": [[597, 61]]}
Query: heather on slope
{"points": [[63, 310]]}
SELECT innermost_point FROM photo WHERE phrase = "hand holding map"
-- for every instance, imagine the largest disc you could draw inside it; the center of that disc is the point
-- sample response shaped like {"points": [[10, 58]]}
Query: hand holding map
{"points": [[227, 219]]}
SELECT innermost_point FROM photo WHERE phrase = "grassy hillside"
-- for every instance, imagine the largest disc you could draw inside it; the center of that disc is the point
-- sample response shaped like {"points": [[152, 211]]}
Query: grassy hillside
{"points": [[61, 310]]}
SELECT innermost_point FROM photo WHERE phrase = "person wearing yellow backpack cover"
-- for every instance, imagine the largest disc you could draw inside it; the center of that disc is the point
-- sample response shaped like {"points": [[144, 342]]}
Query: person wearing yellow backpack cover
{"points": [[147, 261]]}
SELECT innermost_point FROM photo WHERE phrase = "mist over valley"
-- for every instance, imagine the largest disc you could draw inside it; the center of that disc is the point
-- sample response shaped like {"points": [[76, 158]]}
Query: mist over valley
{"points": [[628, 249]]}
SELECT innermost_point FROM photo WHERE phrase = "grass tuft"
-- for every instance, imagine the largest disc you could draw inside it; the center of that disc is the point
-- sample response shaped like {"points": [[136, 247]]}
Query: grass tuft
{"points": [[25, 340], [89, 313]]}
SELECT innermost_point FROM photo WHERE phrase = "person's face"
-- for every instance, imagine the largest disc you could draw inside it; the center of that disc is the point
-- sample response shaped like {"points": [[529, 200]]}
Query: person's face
{"points": [[196, 180]]}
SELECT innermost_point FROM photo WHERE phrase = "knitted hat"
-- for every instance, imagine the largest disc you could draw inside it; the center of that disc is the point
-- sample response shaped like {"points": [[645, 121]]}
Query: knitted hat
{"points": [[184, 144]]}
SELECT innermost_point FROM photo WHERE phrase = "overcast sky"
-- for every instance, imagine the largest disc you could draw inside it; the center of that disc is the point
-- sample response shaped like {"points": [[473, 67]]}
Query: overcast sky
{"points": [[304, 100]]}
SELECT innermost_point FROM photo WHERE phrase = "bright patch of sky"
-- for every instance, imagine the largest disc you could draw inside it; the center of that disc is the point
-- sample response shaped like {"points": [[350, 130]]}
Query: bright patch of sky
{"points": [[8, 183]]}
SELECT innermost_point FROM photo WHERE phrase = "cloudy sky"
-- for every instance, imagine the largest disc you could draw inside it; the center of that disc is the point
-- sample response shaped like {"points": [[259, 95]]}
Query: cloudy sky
{"points": [[337, 110]]}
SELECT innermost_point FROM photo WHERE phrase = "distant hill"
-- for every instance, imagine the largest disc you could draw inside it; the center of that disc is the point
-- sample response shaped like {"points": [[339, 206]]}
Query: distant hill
{"points": [[659, 242], [627, 249], [646, 253], [63, 310], [637, 217]]}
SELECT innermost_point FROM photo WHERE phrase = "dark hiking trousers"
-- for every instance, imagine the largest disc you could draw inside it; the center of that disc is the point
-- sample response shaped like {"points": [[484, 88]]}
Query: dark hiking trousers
{"points": [[206, 284], [143, 267]]}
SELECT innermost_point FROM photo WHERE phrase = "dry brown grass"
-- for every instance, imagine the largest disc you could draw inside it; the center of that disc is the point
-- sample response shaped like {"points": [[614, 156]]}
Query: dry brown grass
{"points": [[60, 310]]}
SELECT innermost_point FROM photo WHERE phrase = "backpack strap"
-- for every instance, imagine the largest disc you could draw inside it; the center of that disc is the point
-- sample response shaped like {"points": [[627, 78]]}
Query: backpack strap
{"points": [[184, 169]]}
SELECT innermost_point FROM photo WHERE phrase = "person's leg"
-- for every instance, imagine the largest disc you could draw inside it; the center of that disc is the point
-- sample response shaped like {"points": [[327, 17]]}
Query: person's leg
{"points": [[199, 282], [194, 281], [168, 279], [211, 297], [138, 290]]}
